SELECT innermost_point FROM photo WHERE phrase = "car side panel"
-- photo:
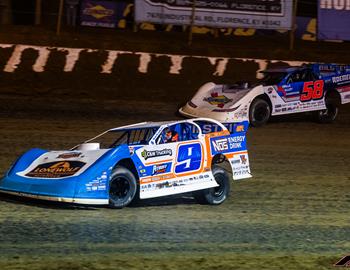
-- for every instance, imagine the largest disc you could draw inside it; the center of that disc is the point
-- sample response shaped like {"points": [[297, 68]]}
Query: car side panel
{"points": [[340, 83], [288, 98], [173, 168], [233, 146]]}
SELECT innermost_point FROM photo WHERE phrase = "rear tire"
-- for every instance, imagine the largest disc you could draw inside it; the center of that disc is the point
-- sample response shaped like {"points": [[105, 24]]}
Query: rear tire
{"points": [[216, 195], [122, 187], [259, 112], [330, 113]]}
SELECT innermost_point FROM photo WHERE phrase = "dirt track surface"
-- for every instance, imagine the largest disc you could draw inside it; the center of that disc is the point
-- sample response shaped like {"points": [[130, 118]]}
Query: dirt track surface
{"points": [[293, 214]]}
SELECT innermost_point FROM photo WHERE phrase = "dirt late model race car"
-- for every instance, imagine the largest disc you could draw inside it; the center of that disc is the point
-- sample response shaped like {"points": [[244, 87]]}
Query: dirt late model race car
{"points": [[139, 161], [320, 88]]}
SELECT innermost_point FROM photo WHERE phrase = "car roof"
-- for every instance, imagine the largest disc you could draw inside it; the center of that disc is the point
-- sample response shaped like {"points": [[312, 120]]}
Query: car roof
{"points": [[141, 125], [282, 69], [162, 123], [157, 125]]}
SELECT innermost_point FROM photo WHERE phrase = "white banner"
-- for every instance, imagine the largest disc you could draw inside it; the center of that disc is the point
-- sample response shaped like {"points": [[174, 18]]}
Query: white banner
{"points": [[258, 14]]}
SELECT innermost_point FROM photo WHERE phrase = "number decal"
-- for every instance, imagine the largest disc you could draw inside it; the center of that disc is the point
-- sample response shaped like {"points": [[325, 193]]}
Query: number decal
{"points": [[307, 91], [312, 90], [318, 89], [189, 158]]}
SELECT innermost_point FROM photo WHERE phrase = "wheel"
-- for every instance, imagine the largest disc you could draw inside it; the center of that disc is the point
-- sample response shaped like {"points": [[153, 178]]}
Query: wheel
{"points": [[216, 195], [122, 187], [332, 107], [259, 112]]}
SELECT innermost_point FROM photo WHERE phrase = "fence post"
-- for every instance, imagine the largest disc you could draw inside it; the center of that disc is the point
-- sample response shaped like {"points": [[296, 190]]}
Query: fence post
{"points": [[59, 19], [190, 36], [37, 12], [294, 21]]}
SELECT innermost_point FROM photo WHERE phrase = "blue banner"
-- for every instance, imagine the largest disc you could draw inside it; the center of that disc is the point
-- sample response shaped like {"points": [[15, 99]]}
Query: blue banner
{"points": [[334, 19]]}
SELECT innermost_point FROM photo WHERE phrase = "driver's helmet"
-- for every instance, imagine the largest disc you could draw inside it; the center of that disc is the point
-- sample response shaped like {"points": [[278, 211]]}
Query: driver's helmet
{"points": [[168, 134]]}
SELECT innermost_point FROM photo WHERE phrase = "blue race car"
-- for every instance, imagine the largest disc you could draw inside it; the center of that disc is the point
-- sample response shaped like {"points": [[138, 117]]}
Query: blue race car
{"points": [[144, 160]]}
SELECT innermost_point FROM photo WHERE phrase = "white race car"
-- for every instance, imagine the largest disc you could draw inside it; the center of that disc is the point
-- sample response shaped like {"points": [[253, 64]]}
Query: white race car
{"points": [[319, 87]]}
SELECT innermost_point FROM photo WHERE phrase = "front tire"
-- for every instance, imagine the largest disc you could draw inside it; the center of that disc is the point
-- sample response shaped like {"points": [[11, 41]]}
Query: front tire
{"points": [[122, 187], [216, 195], [259, 112], [330, 113]]}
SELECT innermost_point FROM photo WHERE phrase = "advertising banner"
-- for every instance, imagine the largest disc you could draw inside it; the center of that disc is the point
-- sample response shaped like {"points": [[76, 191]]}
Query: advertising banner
{"points": [[98, 13], [258, 14], [334, 19]]}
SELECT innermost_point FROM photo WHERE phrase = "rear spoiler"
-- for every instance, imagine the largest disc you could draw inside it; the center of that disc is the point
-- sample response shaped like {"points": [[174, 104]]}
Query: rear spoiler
{"points": [[330, 69]]}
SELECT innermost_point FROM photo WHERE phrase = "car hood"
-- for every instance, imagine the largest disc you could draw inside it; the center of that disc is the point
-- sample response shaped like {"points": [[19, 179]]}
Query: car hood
{"points": [[61, 164], [221, 97]]}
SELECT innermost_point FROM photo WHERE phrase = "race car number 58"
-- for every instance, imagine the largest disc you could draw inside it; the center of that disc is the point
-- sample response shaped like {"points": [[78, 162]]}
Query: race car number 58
{"points": [[312, 90]]}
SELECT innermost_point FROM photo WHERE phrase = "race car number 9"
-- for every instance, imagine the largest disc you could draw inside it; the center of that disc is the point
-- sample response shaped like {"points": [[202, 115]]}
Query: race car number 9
{"points": [[189, 158], [312, 90]]}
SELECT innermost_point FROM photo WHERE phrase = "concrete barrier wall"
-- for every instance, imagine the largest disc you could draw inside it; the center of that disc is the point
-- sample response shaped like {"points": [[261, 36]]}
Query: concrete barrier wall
{"points": [[30, 70]]}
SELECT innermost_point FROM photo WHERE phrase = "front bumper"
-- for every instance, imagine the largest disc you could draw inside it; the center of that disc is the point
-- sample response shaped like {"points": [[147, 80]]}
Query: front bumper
{"points": [[221, 116], [67, 190]]}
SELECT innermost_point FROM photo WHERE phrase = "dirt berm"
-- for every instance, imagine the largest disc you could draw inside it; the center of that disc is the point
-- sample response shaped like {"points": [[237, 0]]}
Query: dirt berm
{"points": [[162, 76]]}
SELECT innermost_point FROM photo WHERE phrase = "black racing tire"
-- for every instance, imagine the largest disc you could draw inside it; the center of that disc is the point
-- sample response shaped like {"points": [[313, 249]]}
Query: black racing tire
{"points": [[216, 195], [259, 112], [122, 187], [332, 108]]}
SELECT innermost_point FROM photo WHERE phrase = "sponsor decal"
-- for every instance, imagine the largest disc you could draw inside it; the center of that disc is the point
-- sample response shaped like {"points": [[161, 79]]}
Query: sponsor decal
{"points": [[56, 169], [226, 144], [235, 161], [158, 169], [156, 153], [341, 78], [98, 12], [217, 100], [69, 155], [241, 113], [326, 68], [173, 183], [240, 171], [98, 184], [220, 145], [243, 159], [236, 142], [167, 184], [240, 128]]}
